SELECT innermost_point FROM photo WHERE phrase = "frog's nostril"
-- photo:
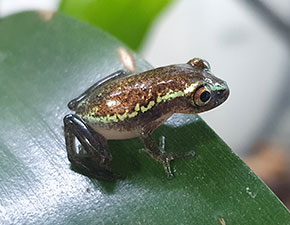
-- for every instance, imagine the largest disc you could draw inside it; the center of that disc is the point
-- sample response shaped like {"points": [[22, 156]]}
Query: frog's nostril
{"points": [[222, 93], [219, 93]]}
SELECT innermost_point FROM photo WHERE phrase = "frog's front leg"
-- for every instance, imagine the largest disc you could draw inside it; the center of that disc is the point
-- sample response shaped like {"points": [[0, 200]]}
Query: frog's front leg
{"points": [[158, 153], [94, 157]]}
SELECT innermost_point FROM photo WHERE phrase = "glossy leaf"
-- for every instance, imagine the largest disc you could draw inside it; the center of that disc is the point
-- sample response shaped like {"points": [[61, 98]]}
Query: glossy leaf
{"points": [[46, 60], [128, 20]]}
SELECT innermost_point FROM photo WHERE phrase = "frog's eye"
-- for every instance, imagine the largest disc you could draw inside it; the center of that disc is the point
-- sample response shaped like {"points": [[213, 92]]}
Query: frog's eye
{"points": [[202, 95], [199, 63]]}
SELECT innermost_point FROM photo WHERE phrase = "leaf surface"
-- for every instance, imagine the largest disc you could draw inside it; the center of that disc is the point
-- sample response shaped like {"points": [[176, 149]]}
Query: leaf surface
{"points": [[45, 61]]}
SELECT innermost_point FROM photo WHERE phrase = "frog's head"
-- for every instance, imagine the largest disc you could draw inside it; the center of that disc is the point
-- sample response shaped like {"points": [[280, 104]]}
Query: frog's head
{"points": [[208, 91]]}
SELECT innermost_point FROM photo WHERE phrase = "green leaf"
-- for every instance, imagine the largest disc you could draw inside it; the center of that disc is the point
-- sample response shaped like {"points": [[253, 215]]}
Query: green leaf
{"points": [[46, 61], [128, 20]]}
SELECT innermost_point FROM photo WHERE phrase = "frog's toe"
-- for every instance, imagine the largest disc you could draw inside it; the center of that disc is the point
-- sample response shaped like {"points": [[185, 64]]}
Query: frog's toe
{"points": [[182, 155], [108, 175], [166, 158]]}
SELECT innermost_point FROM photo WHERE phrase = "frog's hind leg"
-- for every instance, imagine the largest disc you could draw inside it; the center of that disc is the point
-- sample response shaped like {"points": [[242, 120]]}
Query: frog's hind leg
{"points": [[94, 158], [74, 103], [158, 153]]}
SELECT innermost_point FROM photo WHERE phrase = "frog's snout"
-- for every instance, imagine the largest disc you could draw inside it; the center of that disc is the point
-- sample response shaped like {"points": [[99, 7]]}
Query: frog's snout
{"points": [[223, 94]]}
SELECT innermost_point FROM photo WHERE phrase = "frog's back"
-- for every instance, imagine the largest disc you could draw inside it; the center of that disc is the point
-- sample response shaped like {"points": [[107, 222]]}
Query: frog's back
{"points": [[126, 97]]}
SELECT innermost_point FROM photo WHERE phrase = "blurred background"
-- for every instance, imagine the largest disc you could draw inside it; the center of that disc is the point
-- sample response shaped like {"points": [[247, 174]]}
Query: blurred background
{"points": [[247, 44]]}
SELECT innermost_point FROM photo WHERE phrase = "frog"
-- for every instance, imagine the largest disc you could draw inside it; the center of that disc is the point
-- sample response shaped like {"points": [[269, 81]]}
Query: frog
{"points": [[128, 105]]}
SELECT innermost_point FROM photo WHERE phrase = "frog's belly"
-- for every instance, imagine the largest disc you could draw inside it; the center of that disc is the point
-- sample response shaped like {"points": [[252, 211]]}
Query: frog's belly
{"points": [[114, 134], [118, 134]]}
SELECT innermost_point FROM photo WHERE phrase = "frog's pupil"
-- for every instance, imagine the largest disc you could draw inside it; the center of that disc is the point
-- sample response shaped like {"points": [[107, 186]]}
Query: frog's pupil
{"points": [[205, 96]]}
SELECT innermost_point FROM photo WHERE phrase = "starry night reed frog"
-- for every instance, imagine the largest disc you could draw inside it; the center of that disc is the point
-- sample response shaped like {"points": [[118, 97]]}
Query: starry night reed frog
{"points": [[123, 106]]}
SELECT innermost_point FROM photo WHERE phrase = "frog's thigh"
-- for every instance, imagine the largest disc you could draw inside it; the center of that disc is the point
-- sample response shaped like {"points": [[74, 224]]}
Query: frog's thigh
{"points": [[93, 143]]}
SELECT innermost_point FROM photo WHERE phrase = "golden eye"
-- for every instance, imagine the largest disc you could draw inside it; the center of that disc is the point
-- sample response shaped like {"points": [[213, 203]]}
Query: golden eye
{"points": [[199, 63], [202, 95]]}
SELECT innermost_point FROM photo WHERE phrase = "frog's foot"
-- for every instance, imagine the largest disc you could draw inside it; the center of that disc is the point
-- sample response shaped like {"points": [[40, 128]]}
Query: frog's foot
{"points": [[158, 153], [87, 166], [92, 158], [166, 158]]}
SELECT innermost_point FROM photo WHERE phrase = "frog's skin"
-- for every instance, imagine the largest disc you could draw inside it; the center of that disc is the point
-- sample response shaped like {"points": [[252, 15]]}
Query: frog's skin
{"points": [[123, 106]]}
